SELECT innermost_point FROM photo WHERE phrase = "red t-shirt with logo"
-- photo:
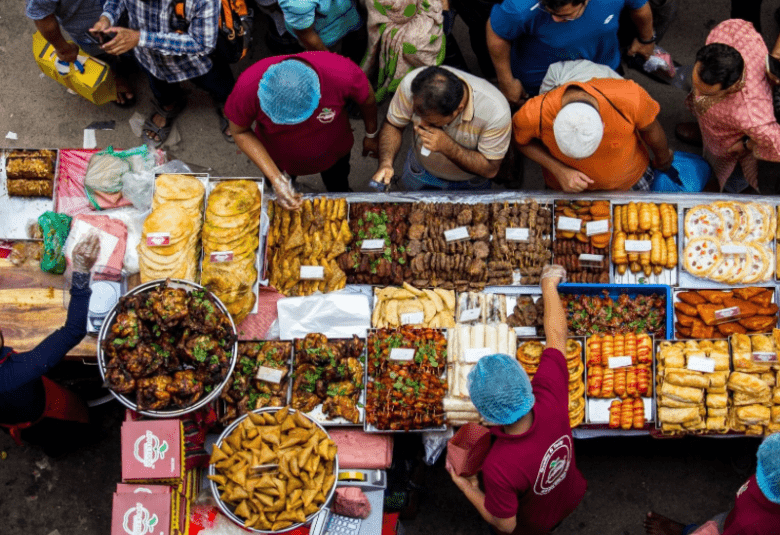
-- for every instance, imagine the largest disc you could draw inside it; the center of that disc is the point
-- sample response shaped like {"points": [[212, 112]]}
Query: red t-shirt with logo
{"points": [[321, 140], [533, 476], [752, 514]]}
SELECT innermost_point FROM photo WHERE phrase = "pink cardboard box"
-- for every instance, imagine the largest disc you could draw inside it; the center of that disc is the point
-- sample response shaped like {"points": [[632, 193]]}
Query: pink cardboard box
{"points": [[126, 488], [152, 450], [141, 514]]}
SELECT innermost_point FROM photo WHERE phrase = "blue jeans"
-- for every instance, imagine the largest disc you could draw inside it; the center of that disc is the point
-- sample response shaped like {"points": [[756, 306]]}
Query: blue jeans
{"points": [[416, 178]]}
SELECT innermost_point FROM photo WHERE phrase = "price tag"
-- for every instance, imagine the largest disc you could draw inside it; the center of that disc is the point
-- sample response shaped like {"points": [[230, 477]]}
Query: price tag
{"points": [[270, 375], [473, 354], [470, 314], [764, 356], [591, 260], [219, 257], [726, 313], [701, 364], [733, 249], [401, 353], [372, 245], [597, 227], [456, 234], [158, 239], [571, 224], [312, 272], [412, 318], [638, 246], [525, 331], [516, 234], [619, 362]]}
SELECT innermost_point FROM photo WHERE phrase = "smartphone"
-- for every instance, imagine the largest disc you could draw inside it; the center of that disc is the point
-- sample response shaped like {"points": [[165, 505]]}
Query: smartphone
{"points": [[101, 38], [773, 65]]}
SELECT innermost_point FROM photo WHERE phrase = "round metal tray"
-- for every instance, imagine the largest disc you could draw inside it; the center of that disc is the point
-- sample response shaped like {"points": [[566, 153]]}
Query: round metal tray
{"points": [[129, 402], [226, 510]]}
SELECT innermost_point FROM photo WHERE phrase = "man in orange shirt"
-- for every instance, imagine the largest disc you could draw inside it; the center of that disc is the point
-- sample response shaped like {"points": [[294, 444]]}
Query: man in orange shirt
{"points": [[589, 136]]}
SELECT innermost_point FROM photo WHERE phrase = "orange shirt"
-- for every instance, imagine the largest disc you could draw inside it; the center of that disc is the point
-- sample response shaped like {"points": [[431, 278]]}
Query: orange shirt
{"points": [[622, 157]]}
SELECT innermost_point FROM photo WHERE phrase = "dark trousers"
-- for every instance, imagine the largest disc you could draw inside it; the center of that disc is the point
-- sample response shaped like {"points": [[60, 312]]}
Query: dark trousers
{"points": [[475, 14], [336, 178], [218, 83]]}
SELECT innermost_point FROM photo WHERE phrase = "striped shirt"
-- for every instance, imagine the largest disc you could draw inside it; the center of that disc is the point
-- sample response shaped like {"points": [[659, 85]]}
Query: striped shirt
{"points": [[170, 56], [485, 125]]}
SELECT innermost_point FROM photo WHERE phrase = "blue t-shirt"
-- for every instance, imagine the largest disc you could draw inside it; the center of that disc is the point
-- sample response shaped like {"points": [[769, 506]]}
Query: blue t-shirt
{"points": [[75, 16], [332, 19], [538, 41]]}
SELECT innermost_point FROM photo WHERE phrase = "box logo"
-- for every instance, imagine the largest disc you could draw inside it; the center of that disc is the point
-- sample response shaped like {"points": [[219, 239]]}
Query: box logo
{"points": [[148, 449], [137, 520]]}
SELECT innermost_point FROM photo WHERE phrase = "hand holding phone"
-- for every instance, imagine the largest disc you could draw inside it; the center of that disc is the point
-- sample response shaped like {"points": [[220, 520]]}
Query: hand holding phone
{"points": [[773, 69]]}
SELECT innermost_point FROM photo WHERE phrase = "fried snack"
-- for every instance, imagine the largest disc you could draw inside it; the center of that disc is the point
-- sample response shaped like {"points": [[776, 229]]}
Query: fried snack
{"points": [[512, 260], [302, 465], [394, 307], [30, 188], [569, 245], [661, 242], [627, 414], [756, 314], [614, 414], [313, 236], [30, 165], [587, 314]]}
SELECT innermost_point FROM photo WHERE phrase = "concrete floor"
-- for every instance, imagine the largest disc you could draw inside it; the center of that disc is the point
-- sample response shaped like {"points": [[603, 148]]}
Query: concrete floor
{"points": [[689, 479]]}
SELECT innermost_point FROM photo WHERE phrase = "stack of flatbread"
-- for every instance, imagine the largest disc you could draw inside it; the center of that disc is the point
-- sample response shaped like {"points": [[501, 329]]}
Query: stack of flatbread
{"points": [[230, 240], [169, 242], [689, 400], [756, 397]]}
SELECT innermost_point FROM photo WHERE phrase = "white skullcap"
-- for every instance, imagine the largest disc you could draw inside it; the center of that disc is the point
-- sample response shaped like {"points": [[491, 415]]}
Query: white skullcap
{"points": [[578, 130]]}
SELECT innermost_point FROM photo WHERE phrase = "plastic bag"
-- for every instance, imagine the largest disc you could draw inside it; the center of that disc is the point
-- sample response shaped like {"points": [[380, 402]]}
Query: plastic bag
{"points": [[108, 171], [138, 188], [689, 173], [55, 229], [435, 442], [133, 218]]}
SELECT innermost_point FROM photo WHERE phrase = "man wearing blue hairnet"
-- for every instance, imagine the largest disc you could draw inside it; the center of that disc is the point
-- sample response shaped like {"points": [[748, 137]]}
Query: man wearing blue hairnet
{"points": [[531, 480], [756, 509]]}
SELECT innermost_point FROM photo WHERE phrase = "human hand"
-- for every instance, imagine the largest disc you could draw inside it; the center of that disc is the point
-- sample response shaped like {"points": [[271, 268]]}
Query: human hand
{"points": [[69, 54], [553, 274], [434, 139], [125, 40], [286, 195], [463, 482], [643, 50], [383, 175], [513, 91], [742, 148], [371, 147], [572, 181], [101, 25], [663, 162], [773, 80], [85, 253]]}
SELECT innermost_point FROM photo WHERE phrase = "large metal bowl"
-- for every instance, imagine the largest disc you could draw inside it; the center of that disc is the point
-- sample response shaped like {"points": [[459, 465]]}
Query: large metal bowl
{"points": [[227, 510], [130, 402]]}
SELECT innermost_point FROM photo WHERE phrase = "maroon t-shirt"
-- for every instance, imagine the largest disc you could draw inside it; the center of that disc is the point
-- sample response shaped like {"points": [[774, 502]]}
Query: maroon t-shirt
{"points": [[533, 476], [320, 141], [752, 514]]}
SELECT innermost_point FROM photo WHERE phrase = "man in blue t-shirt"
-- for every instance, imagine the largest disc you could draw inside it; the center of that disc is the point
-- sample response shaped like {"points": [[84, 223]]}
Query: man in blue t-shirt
{"points": [[526, 36]]}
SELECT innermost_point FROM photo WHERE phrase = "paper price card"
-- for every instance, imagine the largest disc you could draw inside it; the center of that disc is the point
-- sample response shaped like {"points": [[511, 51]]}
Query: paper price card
{"points": [[638, 246], [269, 375], [591, 260], [726, 313], [597, 227], [401, 353], [158, 239], [219, 257], [733, 249], [312, 272], [764, 356], [372, 245], [619, 362], [412, 318], [470, 314], [516, 234], [473, 354], [571, 224], [457, 234], [701, 364], [525, 331]]}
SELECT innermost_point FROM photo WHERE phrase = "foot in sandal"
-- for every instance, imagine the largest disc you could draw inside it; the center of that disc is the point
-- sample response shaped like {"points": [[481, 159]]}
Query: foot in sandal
{"points": [[656, 524], [158, 126]]}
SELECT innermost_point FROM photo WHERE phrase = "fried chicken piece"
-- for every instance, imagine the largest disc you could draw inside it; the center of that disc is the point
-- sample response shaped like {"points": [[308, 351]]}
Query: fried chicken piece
{"points": [[185, 389], [118, 378], [152, 394]]}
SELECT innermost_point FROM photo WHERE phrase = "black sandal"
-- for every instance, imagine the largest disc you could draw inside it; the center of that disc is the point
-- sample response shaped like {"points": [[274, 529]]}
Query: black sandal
{"points": [[162, 132]]}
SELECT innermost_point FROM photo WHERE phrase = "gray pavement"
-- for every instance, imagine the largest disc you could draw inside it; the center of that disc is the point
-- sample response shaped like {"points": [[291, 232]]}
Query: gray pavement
{"points": [[688, 479]]}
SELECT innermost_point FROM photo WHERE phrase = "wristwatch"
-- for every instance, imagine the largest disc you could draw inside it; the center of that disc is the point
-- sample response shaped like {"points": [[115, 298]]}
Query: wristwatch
{"points": [[647, 41]]}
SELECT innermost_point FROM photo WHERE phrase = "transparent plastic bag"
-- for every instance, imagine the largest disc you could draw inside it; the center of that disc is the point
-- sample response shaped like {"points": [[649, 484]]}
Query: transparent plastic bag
{"points": [[138, 188], [133, 218], [108, 172], [435, 442]]}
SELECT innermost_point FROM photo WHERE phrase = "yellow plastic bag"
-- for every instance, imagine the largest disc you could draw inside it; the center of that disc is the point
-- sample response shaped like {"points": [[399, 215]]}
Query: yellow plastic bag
{"points": [[96, 84]]}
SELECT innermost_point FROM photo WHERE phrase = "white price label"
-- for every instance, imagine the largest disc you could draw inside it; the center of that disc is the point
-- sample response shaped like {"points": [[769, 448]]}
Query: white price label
{"points": [[594, 258], [372, 245], [401, 353], [525, 331], [638, 246], [597, 227], [701, 364], [516, 234], [459, 233], [726, 313], [733, 249], [412, 318], [270, 375], [764, 356], [571, 224], [312, 272], [619, 362], [473, 354], [218, 257], [470, 314], [158, 239]]}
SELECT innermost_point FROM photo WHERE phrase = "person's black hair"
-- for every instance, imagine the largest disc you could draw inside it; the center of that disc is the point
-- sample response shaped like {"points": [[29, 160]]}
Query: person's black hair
{"points": [[557, 5], [437, 90], [720, 64]]}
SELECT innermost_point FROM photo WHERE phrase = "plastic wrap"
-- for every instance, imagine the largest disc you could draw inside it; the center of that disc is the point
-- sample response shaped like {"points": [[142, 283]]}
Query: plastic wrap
{"points": [[336, 315]]}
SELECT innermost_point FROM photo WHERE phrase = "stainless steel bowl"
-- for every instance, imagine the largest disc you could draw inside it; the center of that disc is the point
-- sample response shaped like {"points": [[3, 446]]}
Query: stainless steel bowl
{"points": [[226, 510], [130, 402]]}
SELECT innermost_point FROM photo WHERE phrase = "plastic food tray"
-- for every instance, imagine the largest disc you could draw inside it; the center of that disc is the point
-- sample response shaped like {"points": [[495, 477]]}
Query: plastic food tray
{"points": [[25, 209]]}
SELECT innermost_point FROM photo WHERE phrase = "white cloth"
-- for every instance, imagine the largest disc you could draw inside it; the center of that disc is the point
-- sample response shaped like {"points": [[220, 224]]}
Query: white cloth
{"points": [[578, 130], [578, 70]]}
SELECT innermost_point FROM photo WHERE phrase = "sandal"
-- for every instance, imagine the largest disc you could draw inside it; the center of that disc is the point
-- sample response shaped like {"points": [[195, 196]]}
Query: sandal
{"points": [[224, 126], [162, 132]]}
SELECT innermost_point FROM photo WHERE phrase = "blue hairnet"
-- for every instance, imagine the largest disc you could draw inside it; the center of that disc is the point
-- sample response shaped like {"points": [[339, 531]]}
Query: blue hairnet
{"points": [[500, 389], [768, 469], [289, 92]]}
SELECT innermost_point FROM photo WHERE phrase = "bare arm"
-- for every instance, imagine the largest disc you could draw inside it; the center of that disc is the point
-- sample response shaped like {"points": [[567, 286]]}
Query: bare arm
{"points": [[470, 488], [501, 53], [368, 111], [554, 316], [310, 40], [570, 179], [389, 144], [50, 29], [643, 20], [471, 161], [655, 138]]}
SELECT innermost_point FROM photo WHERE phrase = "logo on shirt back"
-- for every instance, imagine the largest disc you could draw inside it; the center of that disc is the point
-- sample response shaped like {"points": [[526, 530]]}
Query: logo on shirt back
{"points": [[326, 116], [554, 466], [743, 488], [606, 21]]}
